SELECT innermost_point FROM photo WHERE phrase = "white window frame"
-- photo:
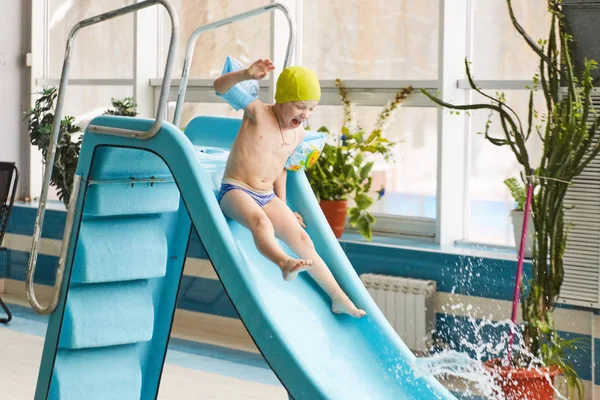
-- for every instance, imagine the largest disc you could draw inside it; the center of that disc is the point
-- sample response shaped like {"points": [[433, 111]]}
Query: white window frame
{"points": [[451, 223]]}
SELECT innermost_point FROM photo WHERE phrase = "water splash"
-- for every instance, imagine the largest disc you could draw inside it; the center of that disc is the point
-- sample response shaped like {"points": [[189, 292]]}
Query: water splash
{"points": [[480, 380], [450, 363], [480, 338]]}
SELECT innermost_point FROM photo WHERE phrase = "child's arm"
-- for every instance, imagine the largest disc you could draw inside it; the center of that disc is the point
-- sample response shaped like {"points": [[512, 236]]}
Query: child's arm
{"points": [[279, 189], [225, 82], [258, 70]]}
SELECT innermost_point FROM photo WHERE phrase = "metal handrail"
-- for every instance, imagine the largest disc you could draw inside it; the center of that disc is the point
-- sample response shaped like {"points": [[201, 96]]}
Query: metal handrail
{"points": [[189, 53], [49, 162]]}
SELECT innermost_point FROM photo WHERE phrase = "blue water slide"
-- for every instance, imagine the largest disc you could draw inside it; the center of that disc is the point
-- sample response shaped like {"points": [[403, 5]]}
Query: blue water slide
{"points": [[140, 187], [136, 203]]}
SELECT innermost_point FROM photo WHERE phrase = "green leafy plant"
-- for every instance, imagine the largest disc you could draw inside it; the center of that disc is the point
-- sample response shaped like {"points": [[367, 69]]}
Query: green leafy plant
{"points": [[569, 145], [518, 192], [123, 107], [343, 171], [555, 350], [40, 119]]}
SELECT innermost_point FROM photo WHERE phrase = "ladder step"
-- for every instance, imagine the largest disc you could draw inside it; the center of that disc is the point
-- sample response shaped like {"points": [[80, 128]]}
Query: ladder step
{"points": [[120, 249], [107, 315], [113, 163], [154, 193], [112, 199], [111, 373]]}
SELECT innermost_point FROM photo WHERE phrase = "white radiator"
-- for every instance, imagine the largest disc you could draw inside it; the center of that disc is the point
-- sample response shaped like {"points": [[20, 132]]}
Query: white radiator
{"points": [[408, 304]]}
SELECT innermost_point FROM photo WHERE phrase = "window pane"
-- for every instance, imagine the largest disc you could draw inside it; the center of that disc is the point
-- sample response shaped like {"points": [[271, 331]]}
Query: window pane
{"points": [[490, 201], [246, 40], [411, 180], [191, 110], [499, 52], [104, 50], [82, 100], [367, 39]]}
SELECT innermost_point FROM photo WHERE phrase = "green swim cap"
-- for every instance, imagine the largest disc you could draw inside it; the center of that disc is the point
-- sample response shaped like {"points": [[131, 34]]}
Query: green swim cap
{"points": [[297, 83]]}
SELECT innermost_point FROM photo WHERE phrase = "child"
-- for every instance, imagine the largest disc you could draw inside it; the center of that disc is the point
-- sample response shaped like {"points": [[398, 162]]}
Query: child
{"points": [[253, 187]]}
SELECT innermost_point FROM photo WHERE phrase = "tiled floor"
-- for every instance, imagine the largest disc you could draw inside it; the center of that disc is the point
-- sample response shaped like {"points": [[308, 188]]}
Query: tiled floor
{"points": [[200, 364]]}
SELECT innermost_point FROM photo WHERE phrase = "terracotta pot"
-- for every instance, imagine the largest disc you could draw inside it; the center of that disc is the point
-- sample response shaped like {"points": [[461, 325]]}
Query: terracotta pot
{"points": [[335, 212], [521, 383]]}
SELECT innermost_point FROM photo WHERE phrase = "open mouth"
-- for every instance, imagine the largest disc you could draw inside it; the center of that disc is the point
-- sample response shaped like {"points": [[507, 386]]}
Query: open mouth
{"points": [[295, 123]]}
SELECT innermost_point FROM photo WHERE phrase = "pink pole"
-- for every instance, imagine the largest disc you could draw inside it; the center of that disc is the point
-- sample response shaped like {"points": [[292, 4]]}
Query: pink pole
{"points": [[520, 264]]}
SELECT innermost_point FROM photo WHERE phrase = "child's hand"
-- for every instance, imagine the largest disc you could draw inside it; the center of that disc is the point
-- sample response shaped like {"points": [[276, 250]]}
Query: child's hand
{"points": [[260, 68], [300, 219]]}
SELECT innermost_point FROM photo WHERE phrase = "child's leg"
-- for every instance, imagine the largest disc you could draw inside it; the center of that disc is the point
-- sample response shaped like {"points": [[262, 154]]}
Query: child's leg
{"points": [[289, 230], [240, 207]]}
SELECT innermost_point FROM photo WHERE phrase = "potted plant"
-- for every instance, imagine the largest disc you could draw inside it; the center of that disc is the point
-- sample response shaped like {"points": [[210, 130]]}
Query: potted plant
{"points": [[517, 190], [68, 147], [41, 117], [343, 172], [569, 145]]}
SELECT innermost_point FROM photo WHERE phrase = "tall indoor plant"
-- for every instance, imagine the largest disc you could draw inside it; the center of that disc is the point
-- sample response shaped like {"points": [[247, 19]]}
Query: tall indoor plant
{"points": [[343, 171], [40, 119], [569, 145]]}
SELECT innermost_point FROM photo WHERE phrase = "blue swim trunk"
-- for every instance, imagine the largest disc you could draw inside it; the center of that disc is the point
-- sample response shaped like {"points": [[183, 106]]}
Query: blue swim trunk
{"points": [[262, 198]]}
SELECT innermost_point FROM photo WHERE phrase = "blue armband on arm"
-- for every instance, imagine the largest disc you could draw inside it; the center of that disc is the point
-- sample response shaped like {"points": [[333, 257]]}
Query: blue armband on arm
{"points": [[306, 154], [243, 93]]}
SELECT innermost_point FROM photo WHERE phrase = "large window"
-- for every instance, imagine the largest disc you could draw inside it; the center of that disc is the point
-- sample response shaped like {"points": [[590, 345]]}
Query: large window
{"points": [[245, 40], [489, 200], [370, 39], [376, 47], [101, 51], [499, 51], [500, 55]]}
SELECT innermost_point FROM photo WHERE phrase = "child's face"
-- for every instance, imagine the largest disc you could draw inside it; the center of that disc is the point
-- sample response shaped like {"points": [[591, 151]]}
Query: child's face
{"points": [[294, 113]]}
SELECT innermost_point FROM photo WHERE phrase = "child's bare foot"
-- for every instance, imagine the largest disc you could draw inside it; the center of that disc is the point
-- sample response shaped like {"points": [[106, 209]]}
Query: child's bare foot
{"points": [[293, 266], [341, 304]]}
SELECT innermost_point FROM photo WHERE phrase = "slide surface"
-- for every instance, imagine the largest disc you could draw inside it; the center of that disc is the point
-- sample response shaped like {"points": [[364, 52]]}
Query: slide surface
{"points": [[315, 353]]}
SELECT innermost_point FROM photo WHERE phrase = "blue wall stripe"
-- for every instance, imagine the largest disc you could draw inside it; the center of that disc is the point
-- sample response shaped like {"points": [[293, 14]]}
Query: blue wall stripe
{"points": [[206, 296], [195, 248], [453, 273], [45, 272], [466, 275], [22, 220], [4, 254], [597, 357], [196, 294]]}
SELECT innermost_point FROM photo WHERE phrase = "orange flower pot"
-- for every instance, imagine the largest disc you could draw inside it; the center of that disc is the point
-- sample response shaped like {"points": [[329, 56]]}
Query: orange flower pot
{"points": [[522, 383], [335, 212]]}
